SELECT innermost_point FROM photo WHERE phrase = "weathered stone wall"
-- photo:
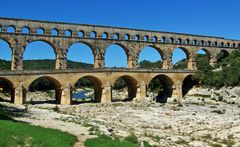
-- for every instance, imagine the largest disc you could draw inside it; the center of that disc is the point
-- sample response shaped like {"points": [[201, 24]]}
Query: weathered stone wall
{"points": [[131, 40]]}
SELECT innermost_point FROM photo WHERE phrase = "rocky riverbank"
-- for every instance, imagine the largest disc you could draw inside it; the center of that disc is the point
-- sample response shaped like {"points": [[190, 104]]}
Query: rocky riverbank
{"points": [[204, 118]]}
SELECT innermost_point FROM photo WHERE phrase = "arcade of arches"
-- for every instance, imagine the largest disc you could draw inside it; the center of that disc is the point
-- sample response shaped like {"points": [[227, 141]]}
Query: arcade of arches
{"points": [[20, 34], [99, 54], [63, 89]]}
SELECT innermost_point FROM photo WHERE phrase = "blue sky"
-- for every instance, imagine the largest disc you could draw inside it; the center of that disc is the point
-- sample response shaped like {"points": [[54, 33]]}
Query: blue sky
{"points": [[204, 17]]}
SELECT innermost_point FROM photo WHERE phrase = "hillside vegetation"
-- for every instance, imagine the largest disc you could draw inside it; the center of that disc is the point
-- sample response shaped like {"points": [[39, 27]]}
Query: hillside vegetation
{"points": [[42, 64]]}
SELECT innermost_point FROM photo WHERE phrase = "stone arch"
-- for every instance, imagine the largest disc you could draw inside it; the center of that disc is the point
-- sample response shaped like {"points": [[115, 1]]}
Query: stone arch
{"points": [[159, 51], [145, 38], [68, 33], [41, 43], [116, 36], [126, 37], [175, 54], [6, 54], [163, 85], [154, 39], [93, 34], [179, 41], [188, 84], [221, 54], [137, 37], [40, 31], [11, 29], [130, 83], [7, 90], [77, 50], [25, 30], [54, 32], [123, 47], [54, 84], [201, 58], [105, 35], [163, 39], [81, 34], [96, 85], [170, 40]]}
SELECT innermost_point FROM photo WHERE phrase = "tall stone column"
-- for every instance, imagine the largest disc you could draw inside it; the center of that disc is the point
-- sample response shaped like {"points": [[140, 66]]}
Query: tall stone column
{"points": [[20, 95], [107, 93], [99, 59], [61, 47], [177, 91], [61, 60], [192, 65], [66, 98], [167, 60], [141, 91], [17, 55]]}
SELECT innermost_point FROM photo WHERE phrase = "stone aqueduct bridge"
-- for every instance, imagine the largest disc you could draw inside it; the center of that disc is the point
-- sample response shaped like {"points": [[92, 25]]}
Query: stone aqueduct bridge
{"points": [[18, 33]]}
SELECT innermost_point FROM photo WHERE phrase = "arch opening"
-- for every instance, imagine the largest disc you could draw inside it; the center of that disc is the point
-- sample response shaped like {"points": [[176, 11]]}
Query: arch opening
{"points": [[80, 55], [40, 31], [80, 34], [154, 39], [68, 33], [39, 55], [136, 38], [188, 84], [6, 90], [116, 56], [44, 90], [127, 37], [25, 30], [150, 57], [5, 56], [202, 59], [93, 34], [180, 58], [221, 55], [104, 35], [11, 29], [87, 89], [124, 89], [160, 88], [54, 32], [115, 36]]}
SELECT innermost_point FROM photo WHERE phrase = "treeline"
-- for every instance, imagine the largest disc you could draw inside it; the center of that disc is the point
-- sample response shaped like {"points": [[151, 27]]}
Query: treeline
{"points": [[42, 64], [225, 73]]}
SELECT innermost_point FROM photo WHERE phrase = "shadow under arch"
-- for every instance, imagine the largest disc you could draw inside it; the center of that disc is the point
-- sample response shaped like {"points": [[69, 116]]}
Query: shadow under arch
{"points": [[91, 82], [47, 84], [188, 84], [126, 81], [7, 90], [161, 85], [222, 54]]}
